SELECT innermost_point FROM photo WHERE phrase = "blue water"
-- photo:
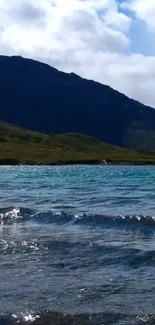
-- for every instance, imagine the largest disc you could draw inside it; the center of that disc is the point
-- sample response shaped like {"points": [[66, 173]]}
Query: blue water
{"points": [[78, 240]]}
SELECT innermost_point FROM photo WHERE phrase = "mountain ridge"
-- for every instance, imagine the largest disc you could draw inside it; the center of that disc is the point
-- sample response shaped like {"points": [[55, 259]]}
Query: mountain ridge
{"points": [[39, 97]]}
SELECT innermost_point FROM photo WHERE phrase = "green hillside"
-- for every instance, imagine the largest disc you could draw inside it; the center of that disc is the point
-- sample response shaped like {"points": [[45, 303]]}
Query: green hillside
{"points": [[27, 147]]}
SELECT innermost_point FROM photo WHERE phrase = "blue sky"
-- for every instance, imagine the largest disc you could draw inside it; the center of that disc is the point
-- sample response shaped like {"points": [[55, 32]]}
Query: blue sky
{"points": [[115, 47], [141, 42], [142, 39]]}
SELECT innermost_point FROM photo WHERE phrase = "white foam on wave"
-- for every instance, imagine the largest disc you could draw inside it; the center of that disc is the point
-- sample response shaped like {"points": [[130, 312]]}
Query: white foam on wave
{"points": [[10, 215], [29, 318]]}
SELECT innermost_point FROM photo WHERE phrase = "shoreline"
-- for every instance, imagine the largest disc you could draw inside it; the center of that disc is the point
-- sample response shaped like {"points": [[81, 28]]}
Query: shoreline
{"points": [[14, 162]]}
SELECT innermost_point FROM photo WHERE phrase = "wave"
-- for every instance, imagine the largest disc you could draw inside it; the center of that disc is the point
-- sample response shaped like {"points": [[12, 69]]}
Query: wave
{"points": [[56, 318], [13, 319], [10, 215]]}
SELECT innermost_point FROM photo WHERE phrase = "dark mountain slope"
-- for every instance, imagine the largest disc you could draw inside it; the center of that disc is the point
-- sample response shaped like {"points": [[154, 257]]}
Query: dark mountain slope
{"points": [[39, 97]]}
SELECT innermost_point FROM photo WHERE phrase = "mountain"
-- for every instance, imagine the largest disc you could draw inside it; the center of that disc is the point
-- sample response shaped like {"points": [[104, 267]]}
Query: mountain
{"points": [[36, 96], [21, 146]]}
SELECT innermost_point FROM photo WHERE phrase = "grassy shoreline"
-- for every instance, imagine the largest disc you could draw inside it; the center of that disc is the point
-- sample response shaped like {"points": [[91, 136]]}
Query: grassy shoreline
{"points": [[7, 162], [24, 147]]}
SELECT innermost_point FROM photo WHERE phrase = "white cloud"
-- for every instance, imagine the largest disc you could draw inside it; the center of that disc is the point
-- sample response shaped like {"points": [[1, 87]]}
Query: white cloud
{"points": [[143, 9], [88, 37], [117, 20]]}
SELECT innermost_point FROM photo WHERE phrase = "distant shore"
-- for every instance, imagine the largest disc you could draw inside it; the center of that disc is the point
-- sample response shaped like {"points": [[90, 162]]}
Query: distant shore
{"points": [[15, 162], [25, 147]]}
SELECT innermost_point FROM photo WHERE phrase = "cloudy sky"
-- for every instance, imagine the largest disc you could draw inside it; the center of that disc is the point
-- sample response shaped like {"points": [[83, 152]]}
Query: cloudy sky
{"points": [[111, 41]]}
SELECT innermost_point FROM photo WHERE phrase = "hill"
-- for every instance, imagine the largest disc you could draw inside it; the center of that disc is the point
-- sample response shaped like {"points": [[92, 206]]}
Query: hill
{"points": [[36, 96], [19, 146]]}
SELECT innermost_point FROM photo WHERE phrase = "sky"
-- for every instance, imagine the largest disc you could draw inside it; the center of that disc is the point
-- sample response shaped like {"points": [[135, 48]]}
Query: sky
{"points": [[110, 41]]}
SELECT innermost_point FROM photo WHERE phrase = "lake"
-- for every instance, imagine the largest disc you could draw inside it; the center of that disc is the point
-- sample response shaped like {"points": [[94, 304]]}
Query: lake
{"points": [[77, 240]]}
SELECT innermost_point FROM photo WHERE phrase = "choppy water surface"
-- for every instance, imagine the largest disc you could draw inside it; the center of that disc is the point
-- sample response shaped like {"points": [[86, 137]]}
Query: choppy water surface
{"points": [[78, 241]]}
